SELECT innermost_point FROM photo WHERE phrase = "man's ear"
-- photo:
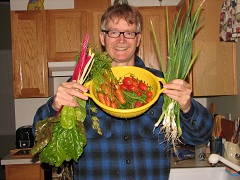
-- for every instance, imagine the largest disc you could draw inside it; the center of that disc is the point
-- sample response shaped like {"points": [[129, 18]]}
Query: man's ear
{"points": [[139, 39], [101, 35]]}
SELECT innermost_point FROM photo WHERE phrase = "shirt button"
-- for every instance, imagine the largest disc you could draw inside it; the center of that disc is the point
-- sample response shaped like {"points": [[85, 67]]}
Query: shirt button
{"points": [[152, 112], [194, 122], [128, 161], [126, 137]]}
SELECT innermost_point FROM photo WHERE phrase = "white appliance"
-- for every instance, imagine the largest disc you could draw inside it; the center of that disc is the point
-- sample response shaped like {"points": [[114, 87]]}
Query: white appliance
{"points": [[59, 72]]}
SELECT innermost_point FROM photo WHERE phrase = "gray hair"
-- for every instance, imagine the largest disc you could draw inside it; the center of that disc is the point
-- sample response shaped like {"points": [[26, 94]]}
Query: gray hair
{"points": [[122, 11]]}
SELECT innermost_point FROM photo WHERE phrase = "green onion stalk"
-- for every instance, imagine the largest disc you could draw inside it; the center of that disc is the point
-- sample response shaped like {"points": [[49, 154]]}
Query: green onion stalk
{"points": [[180, 61]]}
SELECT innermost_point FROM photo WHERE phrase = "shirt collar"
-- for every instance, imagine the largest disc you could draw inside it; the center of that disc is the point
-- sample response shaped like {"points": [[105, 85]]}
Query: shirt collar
{"points": [[139, 62]]}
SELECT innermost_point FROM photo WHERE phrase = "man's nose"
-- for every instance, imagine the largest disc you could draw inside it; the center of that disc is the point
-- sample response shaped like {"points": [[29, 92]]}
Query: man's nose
{"points": [[121, 37]]}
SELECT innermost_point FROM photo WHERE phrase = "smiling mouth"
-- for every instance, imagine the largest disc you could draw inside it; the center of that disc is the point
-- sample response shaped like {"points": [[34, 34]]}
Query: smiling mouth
{"points": [[121, 48]]}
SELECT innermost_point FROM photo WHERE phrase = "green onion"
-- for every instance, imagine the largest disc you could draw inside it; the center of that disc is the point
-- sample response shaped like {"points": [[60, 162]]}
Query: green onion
{"points": [[180, 61]]}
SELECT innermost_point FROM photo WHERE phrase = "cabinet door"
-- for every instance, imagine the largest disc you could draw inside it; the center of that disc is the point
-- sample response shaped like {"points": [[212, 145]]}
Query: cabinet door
{"points": [[30, 72], [147, 49], [93, 27], [24, 172], [214, 72], [66, 29]]}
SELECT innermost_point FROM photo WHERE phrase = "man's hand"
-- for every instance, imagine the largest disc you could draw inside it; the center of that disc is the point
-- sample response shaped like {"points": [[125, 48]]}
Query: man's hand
{"points": [[66, 93], [180, 91]]}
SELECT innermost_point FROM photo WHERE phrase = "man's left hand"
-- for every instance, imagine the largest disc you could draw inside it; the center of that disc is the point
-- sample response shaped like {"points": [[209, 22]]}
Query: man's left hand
{"points": [[180, 91]]}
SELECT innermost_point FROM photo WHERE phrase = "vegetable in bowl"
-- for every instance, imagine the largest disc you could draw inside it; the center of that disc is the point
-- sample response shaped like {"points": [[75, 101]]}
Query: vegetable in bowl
{"points": [[121, 72]]}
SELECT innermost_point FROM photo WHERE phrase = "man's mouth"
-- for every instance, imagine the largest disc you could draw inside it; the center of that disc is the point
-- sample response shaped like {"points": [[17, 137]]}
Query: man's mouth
{"points": [[121, 48]]}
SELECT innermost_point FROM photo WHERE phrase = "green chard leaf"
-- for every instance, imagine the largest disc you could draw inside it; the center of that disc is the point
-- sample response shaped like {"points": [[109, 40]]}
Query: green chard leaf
{"points": [[54, 153], [68, 117], [66, 144], [81, 110], [73, 143], [43, 134]]}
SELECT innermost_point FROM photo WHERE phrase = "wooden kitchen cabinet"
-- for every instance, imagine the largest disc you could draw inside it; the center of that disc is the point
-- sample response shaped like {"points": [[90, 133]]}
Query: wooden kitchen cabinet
{"points": [[66, 30], [24, 172], [147, 49], [214, 72], [30, 71], [42, 36], [93, 26], [23, 166]]}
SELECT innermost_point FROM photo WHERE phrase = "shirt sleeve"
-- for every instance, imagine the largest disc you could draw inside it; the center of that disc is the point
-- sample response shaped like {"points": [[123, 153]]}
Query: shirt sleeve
{"points": [[43, 112], [189, 113], [197, 125]]}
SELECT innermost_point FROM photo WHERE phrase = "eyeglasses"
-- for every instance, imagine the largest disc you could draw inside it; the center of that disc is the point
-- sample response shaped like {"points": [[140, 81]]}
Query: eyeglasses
{"points": [[116, 34]]}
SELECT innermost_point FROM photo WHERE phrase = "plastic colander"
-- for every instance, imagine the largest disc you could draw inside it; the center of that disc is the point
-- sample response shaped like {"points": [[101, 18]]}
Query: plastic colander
{"points": [[142, 74]]}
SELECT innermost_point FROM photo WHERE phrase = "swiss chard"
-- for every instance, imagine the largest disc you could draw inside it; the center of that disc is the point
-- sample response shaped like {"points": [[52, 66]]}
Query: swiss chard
{"points": [[66, 144], [63, 137]]}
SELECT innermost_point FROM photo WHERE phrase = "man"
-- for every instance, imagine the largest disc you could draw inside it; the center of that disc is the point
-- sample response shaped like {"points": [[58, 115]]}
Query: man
{"points": [[128, 149]]}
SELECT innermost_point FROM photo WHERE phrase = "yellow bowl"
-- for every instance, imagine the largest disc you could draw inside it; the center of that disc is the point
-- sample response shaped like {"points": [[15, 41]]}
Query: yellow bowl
{"points": [[142, 74]]}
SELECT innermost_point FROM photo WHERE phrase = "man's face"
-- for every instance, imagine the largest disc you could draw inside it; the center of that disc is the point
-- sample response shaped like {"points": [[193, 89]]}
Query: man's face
{"points": [[121, 48]]}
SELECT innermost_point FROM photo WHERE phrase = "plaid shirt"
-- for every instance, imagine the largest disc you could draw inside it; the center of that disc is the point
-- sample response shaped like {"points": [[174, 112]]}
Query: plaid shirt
{"points": [[128, 148]]}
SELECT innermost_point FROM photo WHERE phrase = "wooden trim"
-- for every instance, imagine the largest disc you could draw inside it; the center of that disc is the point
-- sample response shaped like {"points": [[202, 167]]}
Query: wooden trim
{"points": [[93, 4]]}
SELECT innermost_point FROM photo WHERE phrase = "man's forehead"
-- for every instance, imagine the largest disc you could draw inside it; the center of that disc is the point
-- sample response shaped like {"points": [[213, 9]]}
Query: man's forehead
{"points": [[116, 21]]}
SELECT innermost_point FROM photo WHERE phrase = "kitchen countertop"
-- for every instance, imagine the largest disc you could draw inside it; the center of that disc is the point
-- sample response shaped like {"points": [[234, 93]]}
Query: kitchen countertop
{"points": [[8, 160], [192, 163], [186, 169], [24, 158], [20, 156]]}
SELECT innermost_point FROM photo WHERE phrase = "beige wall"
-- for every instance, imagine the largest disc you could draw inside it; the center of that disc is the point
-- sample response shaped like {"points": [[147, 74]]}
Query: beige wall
{"points": [[48, 4], [229, 104], [152, 2], [69, 4]]}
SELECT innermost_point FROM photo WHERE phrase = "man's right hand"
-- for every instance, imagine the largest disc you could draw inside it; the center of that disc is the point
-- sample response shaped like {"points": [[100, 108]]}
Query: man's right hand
{"points": [[66, 93]]}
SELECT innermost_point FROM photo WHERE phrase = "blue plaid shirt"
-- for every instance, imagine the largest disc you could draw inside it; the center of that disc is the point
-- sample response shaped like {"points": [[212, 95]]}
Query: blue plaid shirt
{"points": [[128, 148]]}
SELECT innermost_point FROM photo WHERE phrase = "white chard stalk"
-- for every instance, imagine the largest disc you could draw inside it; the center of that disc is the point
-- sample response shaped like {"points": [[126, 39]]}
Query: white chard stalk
{"points": [[87, 68], [180, 61]]}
